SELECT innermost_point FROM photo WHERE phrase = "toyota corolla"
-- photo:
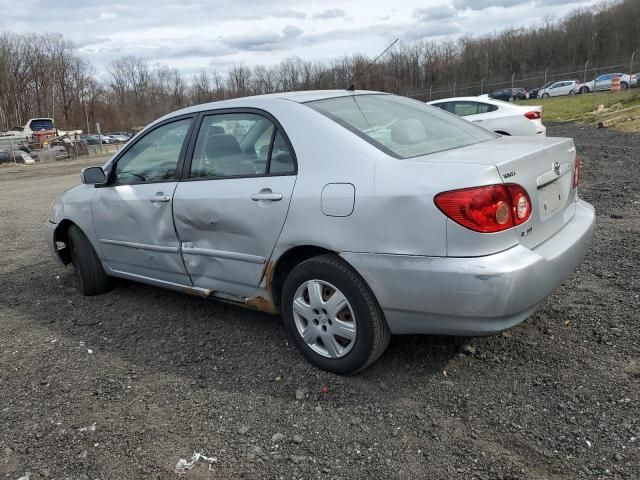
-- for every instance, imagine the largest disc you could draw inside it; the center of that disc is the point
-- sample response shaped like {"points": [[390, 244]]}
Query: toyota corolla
{"points": [[356, 215]]}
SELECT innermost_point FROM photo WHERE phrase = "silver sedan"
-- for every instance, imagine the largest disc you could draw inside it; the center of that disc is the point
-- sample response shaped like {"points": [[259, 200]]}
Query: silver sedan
{"points": [[356, 215]]}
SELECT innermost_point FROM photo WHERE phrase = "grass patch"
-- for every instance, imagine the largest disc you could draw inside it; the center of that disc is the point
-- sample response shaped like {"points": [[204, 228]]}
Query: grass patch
{"points": [[602, 107]]}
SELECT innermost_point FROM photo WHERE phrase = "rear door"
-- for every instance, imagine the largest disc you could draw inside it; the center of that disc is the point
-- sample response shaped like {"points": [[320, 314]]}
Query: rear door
{"points": [[476, 112], [232, 203]]}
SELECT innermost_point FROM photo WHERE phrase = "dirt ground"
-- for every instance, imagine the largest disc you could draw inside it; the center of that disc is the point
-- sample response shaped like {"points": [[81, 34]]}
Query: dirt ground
{"points": [[124, 385]]}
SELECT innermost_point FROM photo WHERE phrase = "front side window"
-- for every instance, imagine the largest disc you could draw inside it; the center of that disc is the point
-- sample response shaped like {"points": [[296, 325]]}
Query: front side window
{"points": [[398, 126], [153, 158], [239, 145]]}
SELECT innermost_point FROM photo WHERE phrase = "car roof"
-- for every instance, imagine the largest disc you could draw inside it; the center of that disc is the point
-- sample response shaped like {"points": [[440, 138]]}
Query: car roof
{"points": [[262, 101], [468, 99]]}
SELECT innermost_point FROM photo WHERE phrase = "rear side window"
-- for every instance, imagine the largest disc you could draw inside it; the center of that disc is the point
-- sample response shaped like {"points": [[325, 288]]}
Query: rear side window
{"points": [[400, 127]]}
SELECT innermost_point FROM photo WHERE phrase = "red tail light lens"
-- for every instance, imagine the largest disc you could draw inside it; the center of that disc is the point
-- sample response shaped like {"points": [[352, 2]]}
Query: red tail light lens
{"points": [[576, 172], [487, 209], [533, 115]]}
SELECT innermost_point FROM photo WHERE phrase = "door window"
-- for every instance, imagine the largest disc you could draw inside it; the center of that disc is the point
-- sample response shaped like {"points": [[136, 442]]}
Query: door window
{"points": [[153, 158], [463, 109], [239, 145]]}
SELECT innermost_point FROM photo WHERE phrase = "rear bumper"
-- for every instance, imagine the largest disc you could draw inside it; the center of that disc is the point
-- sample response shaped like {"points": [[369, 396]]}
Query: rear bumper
{"points": [[478, 295]]}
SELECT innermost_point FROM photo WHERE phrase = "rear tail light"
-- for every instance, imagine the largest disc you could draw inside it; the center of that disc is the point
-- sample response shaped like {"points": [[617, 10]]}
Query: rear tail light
{"points": [[576, 172], [533, 115], [488, 209]]}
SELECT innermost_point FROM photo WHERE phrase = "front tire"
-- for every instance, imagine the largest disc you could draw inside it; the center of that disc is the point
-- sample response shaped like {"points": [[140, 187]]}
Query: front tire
{"points": [[545, 95], [91, 277], [332, 316]]}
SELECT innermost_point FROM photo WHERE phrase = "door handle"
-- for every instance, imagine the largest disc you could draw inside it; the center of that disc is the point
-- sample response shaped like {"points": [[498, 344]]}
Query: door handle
{"points": [[266, 195], [160, 197]]}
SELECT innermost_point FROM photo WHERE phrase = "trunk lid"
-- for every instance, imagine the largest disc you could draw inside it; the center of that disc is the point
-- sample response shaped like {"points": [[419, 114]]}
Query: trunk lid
{"points": [[543, 166]]}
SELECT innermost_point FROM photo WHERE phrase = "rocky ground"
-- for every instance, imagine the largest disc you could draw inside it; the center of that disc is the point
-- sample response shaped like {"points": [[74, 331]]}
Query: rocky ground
{"points": [[124, 385]]}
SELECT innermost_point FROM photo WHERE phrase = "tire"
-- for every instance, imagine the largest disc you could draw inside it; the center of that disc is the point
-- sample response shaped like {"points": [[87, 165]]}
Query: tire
{"points": [[624, 85], [361, 313], [91, 277], [584, 90], [572, 93], [545, 95]]}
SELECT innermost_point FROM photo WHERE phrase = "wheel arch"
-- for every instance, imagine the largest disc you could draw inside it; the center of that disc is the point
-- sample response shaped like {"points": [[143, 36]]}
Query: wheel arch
{"points": [[61, 234], [502, 132], [277, 270]]}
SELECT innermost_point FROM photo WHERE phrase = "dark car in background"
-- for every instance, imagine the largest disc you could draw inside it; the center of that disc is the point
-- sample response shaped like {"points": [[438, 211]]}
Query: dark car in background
{"points": [[509, 94], [506, 94]]}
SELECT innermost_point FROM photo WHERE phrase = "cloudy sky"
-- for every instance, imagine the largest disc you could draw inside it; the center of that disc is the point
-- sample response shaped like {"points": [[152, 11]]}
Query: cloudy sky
{"points": [[195, 35]]}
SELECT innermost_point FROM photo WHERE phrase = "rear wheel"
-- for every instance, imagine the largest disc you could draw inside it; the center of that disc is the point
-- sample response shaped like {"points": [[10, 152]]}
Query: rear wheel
{"points": [[91, 277], [584, 90], [332, 316], [624, 85], [545, 95]]}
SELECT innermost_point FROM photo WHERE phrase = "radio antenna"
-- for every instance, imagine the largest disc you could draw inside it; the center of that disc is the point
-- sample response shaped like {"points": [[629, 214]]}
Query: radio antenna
{"points": [[352, 86]]}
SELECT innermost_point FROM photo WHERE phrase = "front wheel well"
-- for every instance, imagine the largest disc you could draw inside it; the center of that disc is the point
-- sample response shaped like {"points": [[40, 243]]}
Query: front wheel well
{"points": [[61, 235], [287, 262]]}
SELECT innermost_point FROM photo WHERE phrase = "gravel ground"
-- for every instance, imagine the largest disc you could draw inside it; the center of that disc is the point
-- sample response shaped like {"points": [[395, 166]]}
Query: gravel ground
{"points": [[125, 384]]}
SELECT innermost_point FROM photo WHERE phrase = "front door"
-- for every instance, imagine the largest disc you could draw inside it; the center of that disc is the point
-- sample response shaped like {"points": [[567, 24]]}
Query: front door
{"points": [[132, 214], [230, 210]]}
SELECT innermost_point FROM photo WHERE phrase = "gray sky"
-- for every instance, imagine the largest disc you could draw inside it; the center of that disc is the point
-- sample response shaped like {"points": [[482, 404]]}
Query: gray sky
{"points": [[194, 35]]}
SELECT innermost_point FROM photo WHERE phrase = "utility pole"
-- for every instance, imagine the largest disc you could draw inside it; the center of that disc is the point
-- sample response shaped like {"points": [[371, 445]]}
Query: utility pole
{"points": [[584, 80], [545, 75]]}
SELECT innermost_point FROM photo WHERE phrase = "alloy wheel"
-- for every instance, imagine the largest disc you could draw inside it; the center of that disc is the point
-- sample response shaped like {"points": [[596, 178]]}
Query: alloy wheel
{"points": [[324, 319]]}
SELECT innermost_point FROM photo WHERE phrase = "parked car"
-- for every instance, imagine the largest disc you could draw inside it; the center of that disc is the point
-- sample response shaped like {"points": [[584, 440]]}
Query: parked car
{"points": [[495, 115], [505, 94], [603, 82], [521, 93], [559, 89], [118, 137], [357, 215], [534, 93], [15, 156], [91, 139]]}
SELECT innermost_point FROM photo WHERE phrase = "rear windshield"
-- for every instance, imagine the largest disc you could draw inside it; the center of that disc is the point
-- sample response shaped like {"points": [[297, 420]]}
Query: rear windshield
{"points": [[401, 127], [39, 124]]}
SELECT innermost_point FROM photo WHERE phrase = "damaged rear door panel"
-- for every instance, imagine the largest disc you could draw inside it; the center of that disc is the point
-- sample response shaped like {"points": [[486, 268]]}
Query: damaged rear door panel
{"points": [[231, 206]]}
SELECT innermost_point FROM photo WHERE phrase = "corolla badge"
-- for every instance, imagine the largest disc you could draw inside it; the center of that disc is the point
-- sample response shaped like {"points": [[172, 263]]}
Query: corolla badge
{"points": [[556, 168]]}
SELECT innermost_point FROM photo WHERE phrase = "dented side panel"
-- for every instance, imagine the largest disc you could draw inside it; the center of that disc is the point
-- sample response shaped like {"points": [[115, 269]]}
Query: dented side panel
{"points": [[136, 235], [227, 238]]}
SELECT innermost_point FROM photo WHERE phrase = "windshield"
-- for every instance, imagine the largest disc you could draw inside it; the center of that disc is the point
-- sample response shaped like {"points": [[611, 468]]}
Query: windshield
{"points": [[401, 127]]}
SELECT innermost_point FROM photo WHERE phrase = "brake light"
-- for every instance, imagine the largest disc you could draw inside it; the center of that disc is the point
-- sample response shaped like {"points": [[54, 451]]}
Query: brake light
{"points": [[576, 172], [488, 209], [533, 115]]}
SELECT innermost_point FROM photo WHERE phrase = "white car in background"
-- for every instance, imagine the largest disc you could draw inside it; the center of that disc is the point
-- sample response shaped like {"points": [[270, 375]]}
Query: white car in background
{"points": [[561, 88], [495, 115], [603, 82]]}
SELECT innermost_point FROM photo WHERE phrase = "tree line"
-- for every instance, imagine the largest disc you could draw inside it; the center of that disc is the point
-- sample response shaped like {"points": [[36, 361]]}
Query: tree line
{"points": [[41, 75]]}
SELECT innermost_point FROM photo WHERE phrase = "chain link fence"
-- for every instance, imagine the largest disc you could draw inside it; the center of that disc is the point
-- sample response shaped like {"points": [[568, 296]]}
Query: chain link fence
{"points": [[583, 73]]}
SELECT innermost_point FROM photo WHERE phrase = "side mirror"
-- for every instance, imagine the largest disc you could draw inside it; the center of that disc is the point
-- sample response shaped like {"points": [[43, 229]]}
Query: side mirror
{"points": [[93, 176]]}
